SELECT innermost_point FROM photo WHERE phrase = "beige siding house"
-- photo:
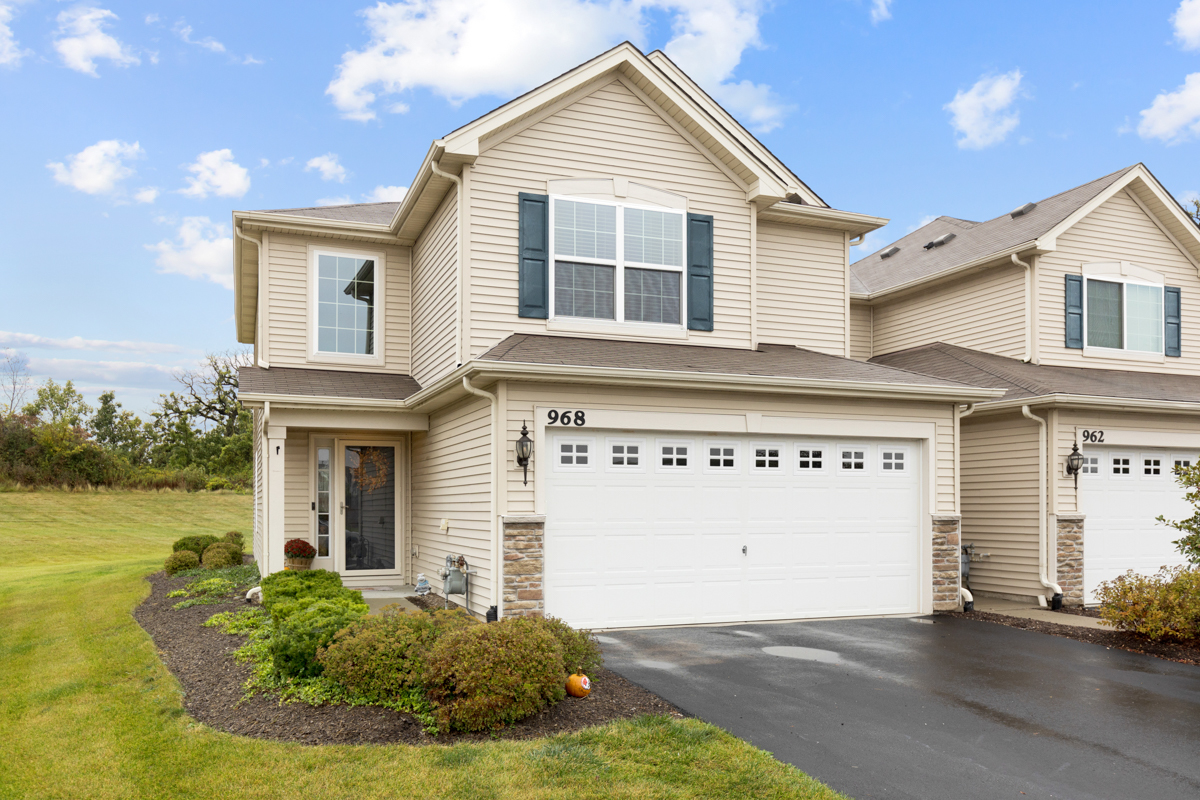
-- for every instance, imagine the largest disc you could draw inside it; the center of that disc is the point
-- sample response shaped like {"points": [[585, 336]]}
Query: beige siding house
{"points": [[613, 270], [1083, 308]]}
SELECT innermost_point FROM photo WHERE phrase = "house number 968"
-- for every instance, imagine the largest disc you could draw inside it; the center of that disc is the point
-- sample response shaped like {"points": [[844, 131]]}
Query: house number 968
{"points": [[1095, 437], [566, 418]]}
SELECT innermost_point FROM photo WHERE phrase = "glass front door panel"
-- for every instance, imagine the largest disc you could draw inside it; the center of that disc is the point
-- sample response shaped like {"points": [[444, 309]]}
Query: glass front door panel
{"points": [[323, 501], [370, 507]]}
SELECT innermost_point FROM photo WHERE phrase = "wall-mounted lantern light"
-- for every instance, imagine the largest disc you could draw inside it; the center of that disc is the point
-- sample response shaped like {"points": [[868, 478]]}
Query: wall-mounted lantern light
{"points": [[524, 451], [1075, 463]]}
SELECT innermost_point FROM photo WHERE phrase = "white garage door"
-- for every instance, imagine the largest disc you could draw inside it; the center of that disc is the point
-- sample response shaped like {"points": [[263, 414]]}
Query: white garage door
{"points": [[1122, 492], [662, 530]]}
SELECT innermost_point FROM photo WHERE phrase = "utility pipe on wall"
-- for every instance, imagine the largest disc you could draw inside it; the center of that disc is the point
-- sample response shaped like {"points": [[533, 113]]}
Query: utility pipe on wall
{"points": [[263, 358], [1028, 307], [497, 441], [1043, 537], [458, 255]]}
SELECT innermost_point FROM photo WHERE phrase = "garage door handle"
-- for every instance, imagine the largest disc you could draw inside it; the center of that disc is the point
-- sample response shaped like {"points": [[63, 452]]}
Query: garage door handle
{"points": [[743, 549]]}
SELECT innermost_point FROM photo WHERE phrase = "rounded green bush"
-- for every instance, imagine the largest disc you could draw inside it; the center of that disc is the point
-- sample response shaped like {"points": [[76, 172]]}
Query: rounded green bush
{"points": [[219, 555], [486, 676], [311, 626], [382, 658], [580, 650], [1161, 606], [181, 560], [197, 544], [235, 538], [288, 585]]}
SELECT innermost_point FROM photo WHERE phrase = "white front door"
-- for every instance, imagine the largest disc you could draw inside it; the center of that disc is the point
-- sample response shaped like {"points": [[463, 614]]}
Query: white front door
{"points": [[1122, 493], [660, 530]]}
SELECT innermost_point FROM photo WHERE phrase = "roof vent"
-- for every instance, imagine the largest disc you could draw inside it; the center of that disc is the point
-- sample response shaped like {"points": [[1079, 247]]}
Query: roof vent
{"points": [[1023, 210], [941, 240], [891, 251]]}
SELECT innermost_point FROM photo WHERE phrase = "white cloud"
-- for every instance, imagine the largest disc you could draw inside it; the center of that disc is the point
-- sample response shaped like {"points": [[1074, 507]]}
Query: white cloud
{"points": [[342, 200], [386, 194], [184, 32], [328, 166], [871, 242], [921, 223], [103, 373], [99, 168], [1173, 116], [880, 10], [32, 340], [82, 40], [251, 60], [147, 194], [461, 49], [215, 172], [202, 250], [982, 115], [10, 50], [1187, 24], [152, 18]]}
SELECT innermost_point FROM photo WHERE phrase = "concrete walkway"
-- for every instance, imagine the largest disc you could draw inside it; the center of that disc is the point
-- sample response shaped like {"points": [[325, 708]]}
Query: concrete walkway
{"points": [[1012, 608], [379, 597]]}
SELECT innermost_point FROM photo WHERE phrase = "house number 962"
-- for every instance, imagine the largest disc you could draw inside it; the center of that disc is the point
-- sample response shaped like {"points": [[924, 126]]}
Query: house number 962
{"points": [[566, 418], [1095, 437]]}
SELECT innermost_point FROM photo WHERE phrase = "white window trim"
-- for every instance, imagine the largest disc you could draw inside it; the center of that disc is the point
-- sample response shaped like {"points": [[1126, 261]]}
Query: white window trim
{"points": [[736, 469], [825, 449], [1164, 465], [315, 442], [907, 461], [618, 324], [590, 441], [640, 444], [316, 356], [1135, 464], [692, 453], [1124, 280], [782, 469], [866, 451]]}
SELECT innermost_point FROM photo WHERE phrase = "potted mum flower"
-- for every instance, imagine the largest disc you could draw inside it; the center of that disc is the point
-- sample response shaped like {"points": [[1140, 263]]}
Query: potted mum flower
{"points": [[298, 554]]}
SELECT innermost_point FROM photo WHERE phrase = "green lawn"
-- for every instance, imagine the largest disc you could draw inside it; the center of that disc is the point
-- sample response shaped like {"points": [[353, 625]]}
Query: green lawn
{"points": [[88, 711]]}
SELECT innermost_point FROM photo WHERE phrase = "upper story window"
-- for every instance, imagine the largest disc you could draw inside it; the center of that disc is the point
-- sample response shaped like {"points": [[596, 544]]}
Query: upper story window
{"points": [[618, 262], [1124, 315], [346, 306]]}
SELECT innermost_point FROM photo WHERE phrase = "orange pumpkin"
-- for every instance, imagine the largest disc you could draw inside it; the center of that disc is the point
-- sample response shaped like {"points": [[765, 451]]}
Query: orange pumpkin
{"points": [[578, 685]]}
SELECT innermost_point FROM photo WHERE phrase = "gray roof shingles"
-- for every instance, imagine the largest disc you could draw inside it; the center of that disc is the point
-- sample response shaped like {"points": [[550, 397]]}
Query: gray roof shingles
{"points": [[768, 361], [326, 383], [373, 213], [1023, 380], [973, 240]]}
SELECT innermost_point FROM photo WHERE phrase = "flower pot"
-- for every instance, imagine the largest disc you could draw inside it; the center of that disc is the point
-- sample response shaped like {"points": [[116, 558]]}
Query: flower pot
{"points": [[297, 563]]}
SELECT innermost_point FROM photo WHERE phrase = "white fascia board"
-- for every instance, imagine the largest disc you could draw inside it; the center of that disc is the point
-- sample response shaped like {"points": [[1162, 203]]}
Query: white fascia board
{"points": [[822, 217], [316, 225], [999, 258], [318, 401], [1087, 402]]}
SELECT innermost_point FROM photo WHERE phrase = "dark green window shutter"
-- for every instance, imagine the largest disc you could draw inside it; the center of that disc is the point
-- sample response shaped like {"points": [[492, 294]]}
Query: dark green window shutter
{"points": [[533, 294], [1074, 311], [1171, 315], [700, 272]]}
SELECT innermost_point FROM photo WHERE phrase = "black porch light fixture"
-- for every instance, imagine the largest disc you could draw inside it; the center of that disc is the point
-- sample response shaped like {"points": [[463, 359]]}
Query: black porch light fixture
{"points": [[524, 451], [1075, 463]]}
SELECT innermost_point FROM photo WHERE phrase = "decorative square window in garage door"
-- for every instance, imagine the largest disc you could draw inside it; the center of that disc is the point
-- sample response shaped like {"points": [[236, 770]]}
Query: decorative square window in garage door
{"points": [[721, 457], [1183, 461], [810, 457], [1091, 465], [1120, 466], [626, 455], [852, 459], [893, 461], [675, 456], [574, 455], [1151, 466], [767, 457]]}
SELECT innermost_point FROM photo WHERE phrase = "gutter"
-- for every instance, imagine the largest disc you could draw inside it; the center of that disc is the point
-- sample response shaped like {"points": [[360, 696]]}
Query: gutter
{"points": [[1043, 534], [1093, 402], [982, 261]]}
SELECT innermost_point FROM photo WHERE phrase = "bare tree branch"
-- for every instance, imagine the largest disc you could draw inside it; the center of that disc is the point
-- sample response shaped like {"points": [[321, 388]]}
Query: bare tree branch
{"points": [[14, 381]]}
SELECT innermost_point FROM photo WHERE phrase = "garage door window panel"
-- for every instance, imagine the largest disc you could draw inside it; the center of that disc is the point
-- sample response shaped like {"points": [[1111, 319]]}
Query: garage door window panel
{"points": [[574, 454], [1091, 465], [626, 455], [768, 458], [853, 459], [721, 457], [1122, 466], [893, 461], [1152, 466], [1183, 461], [811, 458], [675, 455]]}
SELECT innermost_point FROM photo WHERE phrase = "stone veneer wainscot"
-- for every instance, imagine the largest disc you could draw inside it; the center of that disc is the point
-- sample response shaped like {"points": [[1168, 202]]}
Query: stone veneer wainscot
{"points": [[946, 562], [1070, 558], [523, 560]]}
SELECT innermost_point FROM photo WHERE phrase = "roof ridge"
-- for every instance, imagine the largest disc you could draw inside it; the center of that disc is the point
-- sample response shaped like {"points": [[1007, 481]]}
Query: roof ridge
{"points": [[334, 205], [1113, 175]]}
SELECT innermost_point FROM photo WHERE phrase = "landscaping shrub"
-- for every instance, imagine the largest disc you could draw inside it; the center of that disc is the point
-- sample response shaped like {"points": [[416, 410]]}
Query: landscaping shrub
{"points": [[1161, 606], [209, 591], [485, 676], [580, 650], [235, 538], [311, 626], [219, 555], [382, 659], [181, 560], [197, 544], [283, 587]]}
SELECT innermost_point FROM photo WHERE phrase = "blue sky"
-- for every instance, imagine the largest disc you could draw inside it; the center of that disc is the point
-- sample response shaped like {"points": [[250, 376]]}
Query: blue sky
{"points": [[132, 130]]}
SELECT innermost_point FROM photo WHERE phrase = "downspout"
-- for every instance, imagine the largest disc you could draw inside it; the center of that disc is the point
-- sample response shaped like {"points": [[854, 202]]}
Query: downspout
{"points": [[266, 496], [458, 256], [1028, 307], [1042, 533], [856, 242], [964, 594], [497, 546], [264, 359]]}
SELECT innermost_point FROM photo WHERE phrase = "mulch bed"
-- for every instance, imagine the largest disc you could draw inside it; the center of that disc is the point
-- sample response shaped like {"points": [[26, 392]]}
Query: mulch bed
{"points": [[202, 660], [1080, 611], [431, 602], [1182, 652]]}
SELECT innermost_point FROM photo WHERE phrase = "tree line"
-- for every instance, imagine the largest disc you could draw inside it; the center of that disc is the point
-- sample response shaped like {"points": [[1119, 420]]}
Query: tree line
{"points": [[198, 437]]}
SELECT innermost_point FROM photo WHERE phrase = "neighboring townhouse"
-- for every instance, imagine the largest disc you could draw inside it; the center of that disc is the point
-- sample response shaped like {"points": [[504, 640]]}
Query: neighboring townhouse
{"points": [[1085, 308], [611, 271]]}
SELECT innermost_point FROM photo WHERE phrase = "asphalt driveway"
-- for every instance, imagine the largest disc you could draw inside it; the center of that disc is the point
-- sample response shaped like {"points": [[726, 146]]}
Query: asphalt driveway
{"points": [[934, 707]]}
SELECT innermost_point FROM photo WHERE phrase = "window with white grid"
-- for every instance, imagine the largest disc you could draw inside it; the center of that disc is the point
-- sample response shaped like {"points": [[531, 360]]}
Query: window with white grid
{"points": [[1151, 465], [767, 457], [626, 454], [893, 462], [1120, 465], [574, 455], [810, 457], [1183, 461], [1091, 465], [852, 459], [675, 456], [720, 457]]}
